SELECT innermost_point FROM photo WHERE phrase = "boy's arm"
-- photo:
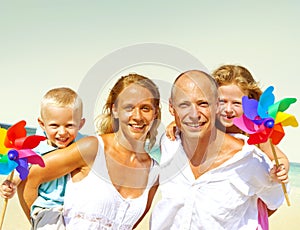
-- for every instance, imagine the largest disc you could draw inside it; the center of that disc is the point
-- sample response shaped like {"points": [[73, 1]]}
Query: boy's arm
{"points": [[9, 187], [57, 163]]}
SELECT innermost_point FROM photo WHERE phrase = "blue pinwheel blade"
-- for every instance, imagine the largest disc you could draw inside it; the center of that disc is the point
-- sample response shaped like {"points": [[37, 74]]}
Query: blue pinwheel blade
{"points": [[265, 101]]}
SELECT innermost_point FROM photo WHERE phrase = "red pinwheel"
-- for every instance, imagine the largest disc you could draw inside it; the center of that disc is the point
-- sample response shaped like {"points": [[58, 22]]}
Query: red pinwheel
{"points": [[16, 150], [263, 120]]}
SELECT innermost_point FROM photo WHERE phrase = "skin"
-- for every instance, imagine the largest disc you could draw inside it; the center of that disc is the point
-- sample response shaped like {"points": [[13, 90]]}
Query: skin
{"points": [[61, 124], [194, 109], [124, 152]]}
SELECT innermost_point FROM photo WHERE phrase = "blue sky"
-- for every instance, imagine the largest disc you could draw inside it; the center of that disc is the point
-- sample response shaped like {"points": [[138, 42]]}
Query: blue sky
{"points": [[45, 44]]}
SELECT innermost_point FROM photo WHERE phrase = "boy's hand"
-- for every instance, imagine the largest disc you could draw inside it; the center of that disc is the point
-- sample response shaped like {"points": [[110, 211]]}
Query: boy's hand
{"points": [[170, 131], [279, 174], [8, 189]]}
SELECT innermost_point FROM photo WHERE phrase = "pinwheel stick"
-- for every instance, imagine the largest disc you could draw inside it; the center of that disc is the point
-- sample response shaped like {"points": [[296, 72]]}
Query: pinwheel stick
{"points": [[282, 184], [5, 203]]}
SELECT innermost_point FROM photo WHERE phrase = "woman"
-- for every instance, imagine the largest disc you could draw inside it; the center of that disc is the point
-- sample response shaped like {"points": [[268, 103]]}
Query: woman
{"points": [[113, 178]]}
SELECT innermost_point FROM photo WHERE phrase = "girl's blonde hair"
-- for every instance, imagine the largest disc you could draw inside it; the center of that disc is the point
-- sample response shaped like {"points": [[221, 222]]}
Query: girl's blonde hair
{"points": [[240, 76]]}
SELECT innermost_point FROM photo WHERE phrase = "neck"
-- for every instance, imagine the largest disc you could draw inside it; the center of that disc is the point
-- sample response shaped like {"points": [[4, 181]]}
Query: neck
{"points": [[130, 146], [203, 151]]}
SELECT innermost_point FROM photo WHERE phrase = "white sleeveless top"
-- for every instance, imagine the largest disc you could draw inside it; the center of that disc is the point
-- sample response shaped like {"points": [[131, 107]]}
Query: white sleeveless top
{"points": [[94, 203]]}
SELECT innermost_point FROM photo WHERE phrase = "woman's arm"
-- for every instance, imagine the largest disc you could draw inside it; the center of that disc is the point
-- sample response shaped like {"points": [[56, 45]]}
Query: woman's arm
{"points": [[151, 195], [58, 163]]}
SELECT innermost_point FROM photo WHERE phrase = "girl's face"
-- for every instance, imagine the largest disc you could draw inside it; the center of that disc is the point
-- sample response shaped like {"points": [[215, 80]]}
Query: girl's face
{"points": [[135, 112], [230, 104]]}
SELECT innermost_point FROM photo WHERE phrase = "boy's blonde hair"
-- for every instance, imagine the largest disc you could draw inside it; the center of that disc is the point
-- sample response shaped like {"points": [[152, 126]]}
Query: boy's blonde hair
{"points": [[62, 97]]}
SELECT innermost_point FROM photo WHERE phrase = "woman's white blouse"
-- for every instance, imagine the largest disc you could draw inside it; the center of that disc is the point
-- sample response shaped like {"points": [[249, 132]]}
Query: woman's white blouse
{"points": [[94, 203]]}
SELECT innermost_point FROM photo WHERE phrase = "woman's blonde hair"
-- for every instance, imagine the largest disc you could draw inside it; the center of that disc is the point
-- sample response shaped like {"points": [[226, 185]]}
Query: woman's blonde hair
{"points": [[106, 123]]}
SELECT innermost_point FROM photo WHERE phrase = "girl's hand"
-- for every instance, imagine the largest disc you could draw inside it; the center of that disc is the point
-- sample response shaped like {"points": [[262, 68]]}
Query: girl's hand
{"points": [[279, 174]]}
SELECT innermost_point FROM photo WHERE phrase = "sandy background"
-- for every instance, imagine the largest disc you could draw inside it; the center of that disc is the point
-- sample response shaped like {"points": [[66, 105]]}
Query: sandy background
{"points": [[286, 217]]}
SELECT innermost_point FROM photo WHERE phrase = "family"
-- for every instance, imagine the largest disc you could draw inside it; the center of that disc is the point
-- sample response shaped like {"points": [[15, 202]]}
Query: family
{"points": [[207, 174]]}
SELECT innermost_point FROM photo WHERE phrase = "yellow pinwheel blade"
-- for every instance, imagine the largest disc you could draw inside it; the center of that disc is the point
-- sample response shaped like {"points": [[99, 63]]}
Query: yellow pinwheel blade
{"points": [[3, 149], [286, 119]]}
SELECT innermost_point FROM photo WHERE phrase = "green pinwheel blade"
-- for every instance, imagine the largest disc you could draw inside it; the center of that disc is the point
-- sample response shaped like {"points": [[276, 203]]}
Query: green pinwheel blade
{"points": [[280, 106]]}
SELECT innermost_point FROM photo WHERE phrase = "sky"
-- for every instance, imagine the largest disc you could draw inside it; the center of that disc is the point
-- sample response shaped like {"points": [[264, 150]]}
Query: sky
{"points": [[47, 44]]}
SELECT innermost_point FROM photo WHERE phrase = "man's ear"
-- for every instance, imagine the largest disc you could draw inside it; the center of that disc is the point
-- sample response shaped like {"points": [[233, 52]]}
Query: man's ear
{"points": [[41, 123], [82, 122], [171, 108], [114, 111], [217, 107]]}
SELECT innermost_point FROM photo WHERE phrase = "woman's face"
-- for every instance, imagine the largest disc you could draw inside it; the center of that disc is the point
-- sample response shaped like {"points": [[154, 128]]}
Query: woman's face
{"points": [[230, 103], [135, 112]]}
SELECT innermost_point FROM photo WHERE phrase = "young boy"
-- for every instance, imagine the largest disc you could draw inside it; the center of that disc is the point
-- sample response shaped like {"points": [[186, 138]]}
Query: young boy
{"points": [[60, 120]]}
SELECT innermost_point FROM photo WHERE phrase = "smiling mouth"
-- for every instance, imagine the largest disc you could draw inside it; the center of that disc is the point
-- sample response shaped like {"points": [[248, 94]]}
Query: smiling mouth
{"points": [[62, 139], [195, 125], [135, 126], [228, 117]]}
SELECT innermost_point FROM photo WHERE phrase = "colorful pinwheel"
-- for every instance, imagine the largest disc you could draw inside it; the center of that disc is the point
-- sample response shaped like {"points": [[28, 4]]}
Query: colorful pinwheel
{"points": [[16, 153], [263, 120], [16, 150]]}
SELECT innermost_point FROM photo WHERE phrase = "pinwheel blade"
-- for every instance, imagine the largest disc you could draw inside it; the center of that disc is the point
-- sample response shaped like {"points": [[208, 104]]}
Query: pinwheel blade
{"points": [[31, 157], [29, 142], [259, 137], [22, 168], [14, 132], [3, 148], [266, 99], [280, 106], [6, 165], [277, 134], [250, 108], [286, 119]]}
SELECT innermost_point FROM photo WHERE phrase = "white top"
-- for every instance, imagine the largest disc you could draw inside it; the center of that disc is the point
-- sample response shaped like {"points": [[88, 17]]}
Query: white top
{"points": [[222, 198], [94, 203]]}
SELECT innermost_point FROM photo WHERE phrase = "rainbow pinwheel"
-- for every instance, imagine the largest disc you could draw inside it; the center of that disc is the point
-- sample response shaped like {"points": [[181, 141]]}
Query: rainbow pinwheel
{"points": [[16, 150], [264, 119]]}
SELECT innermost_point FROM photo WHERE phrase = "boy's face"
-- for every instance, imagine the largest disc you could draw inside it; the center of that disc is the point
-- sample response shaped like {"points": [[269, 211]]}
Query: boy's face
{"points": [[61, 124]]}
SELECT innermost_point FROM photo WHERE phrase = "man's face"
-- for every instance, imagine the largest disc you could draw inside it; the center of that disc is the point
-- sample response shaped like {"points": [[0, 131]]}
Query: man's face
{"points": [[194, 106]]}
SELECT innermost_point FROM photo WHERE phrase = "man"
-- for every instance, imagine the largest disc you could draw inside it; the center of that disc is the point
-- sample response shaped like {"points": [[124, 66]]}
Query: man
{"points": [[209, 179]]}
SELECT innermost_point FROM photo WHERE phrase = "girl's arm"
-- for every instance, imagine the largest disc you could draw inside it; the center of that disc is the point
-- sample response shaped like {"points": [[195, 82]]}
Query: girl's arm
{"points": [[79, 155], [280, 173]]}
